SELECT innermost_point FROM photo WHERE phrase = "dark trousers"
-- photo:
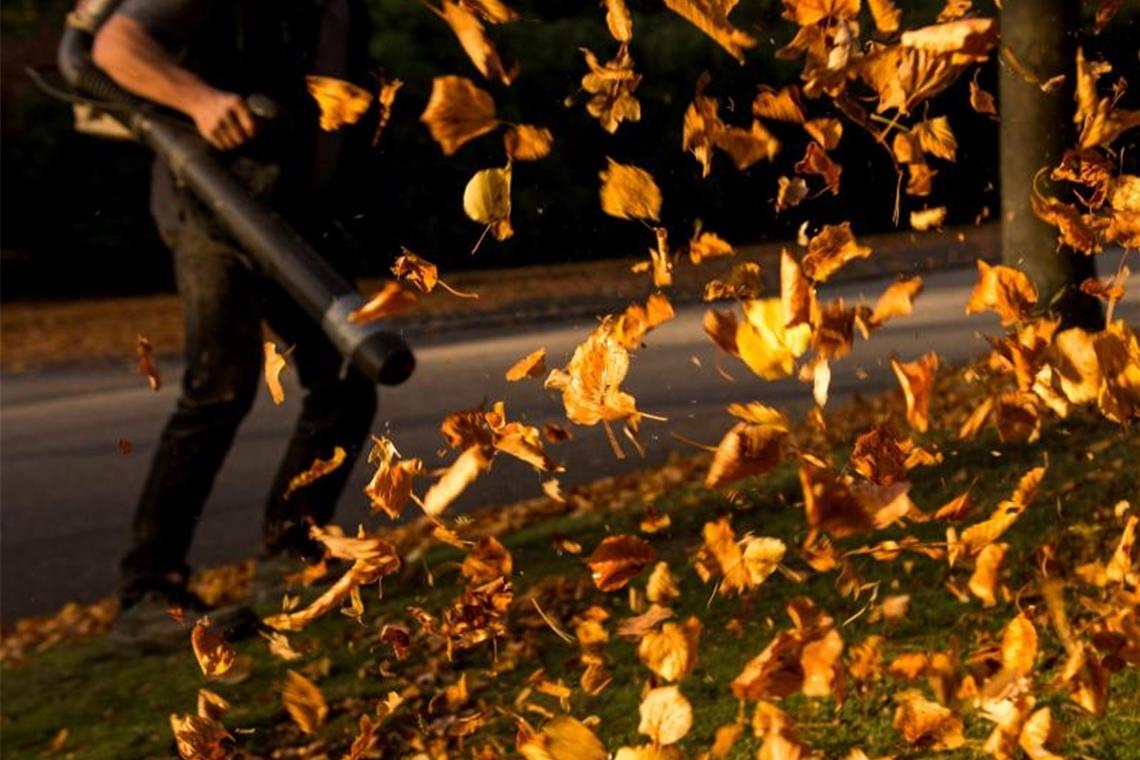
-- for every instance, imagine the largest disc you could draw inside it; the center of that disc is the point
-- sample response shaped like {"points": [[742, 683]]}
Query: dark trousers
{"points": [[224, 301]]}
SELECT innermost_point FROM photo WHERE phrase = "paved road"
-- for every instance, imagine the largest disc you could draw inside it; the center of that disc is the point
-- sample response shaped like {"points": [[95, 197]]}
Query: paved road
{"points": [[67, 492]]}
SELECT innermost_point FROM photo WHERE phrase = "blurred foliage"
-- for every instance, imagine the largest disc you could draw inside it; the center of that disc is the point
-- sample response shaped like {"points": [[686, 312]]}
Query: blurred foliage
{"points": [[75, 210]]}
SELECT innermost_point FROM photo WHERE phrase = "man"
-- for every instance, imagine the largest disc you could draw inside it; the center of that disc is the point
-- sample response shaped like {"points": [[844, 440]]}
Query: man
{"points": [[202, 57]]}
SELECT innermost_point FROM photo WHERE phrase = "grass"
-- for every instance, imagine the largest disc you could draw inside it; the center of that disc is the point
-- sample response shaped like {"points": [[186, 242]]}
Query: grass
{"points": [[115, 706]]}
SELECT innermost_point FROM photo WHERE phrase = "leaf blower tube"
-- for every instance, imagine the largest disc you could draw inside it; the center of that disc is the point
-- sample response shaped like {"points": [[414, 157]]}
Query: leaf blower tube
{"points": [[283, 254]]}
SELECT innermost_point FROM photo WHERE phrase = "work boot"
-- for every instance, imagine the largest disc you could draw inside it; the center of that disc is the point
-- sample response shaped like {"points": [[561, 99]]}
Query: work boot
{"points": [[161, 620]]}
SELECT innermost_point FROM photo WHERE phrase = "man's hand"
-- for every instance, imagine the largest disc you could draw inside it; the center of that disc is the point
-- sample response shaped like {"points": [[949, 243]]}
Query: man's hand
{"points": [[222, 118], [127, 52]]}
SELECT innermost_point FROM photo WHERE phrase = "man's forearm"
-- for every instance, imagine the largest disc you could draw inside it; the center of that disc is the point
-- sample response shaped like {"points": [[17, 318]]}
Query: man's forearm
{"points": [[137, 63]]}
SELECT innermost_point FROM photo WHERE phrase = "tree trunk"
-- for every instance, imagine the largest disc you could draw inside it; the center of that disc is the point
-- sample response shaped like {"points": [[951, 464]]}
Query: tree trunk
{"points": [[1036, 129]]}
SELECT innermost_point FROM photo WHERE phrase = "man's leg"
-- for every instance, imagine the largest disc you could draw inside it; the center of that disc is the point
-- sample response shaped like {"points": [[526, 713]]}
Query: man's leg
{"points": [[220, 299], [337, 410]]}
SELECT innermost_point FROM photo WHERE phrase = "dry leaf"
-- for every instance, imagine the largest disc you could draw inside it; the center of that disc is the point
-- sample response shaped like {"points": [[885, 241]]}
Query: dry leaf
{"points": [[765, 344], [747, 450], [611, 87], [928, 218], [304, 702], [390, 299], [341, 103], [666, 716], [474, 40], [317, 470], [917, 379], [885, 15], [457, 111], [711, 17], [984, 581], [671, 652], [146, 364], [385, 99], [531, 365], [1003, 290], [790, 192], [927, 724], [629, 192], [391, 484], [816, 161], [830, 250], [781, 105], [462, 473], [200, 738], [215, 657], [487, 200], [563, 738], [618, 20], [527, 143], [617, 559]]}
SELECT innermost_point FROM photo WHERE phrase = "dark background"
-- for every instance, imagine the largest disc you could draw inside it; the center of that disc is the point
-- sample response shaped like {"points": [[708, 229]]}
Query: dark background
{"points": [[74, 208]]}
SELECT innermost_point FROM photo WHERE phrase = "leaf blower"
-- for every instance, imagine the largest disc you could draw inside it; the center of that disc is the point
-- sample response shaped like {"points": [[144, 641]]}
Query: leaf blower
{"points": [[282, 253]]}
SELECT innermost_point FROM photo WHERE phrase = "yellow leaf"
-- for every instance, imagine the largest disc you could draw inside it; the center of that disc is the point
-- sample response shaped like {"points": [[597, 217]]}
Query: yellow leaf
{"points": [[457, 111], [274, 363], [474, 40], [304, 702], [885, 15], [765, 344], [711, 17], [629, 192], [341, 103], [619, 21], [563, 738], [671, 652], [487, 200], [666, 716], [531, 365]]}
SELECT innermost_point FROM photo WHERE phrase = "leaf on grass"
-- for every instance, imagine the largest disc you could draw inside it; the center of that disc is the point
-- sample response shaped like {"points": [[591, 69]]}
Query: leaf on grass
{"points": [[666, 716], [531, 365], [317, 470], [917, 380], [146, 364], [525, 142], [341, 103], [563, 738], [457, 111], [617, 559], [927, 724], [390, 299], [304, 702], [629, 192]]}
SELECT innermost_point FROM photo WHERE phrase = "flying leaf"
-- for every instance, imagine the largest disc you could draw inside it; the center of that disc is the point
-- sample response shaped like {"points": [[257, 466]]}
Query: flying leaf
{"points": [[937, 138], [619, 21], [885, 15], [981, 100], [200, 738], [591, 382], [462, 473], [474, 40], [487, 200], [531, 365], [1003, 290], [457, 111], [215, 657], [391, 484], [617, 559], [809, 12], [146, 364], [304, 702], [928, 218], [830, 250], [671, 652], [816, 161], [390, 299], [563, 738], [826, 132], [965, 41], [341, 103], [747, 450], [385, 99], [611, 87], [765, 344], [711, 17], [984, 580], [708, 245], [917, 380], [629, 192], [896, 301], [781, 105], [317, 470], [525, 142], [274, 363], [666, 716], [790, 192]]}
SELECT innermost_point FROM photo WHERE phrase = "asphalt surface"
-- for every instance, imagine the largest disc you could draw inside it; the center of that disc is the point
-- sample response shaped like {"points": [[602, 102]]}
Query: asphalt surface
{"points": [[67, 493]]}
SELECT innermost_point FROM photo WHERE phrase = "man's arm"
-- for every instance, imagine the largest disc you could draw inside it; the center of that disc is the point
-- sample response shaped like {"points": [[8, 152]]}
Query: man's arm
{"points": [[135, 60]]}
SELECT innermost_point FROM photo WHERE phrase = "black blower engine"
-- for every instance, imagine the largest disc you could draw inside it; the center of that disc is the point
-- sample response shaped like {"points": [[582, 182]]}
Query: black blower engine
{"points": [[281, 252]]}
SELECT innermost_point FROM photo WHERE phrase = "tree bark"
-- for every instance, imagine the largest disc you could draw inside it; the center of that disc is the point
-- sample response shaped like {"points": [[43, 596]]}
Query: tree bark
{"points": [[1036, 129]]}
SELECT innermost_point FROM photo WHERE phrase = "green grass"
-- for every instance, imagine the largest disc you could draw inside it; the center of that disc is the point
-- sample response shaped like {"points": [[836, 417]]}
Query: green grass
{"points": [[115, 706]]}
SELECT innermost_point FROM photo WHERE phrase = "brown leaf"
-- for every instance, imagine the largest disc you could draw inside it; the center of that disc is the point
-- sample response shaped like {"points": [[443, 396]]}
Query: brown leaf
{"points": [[487, 561], [781, 105], [531, 365], [809, 12], [666, 716], [391, 484], [708, 245], [885, 15], [790, 192], [591, 382], [215, 657], [927, 724], [317, 470], [200, 738], [527, 143], [984, 580], [341, 103], [629, 192], [747, 450], [146, 364], [1003, 290], [917, 380], [830, 250], [462, 473], [618, 20], [826, 132], [936, 138], [474, 40], [304, 702], [617, 559], [815, 161], [896, 301], [711, 17], [981, 100], [457, 111], [385, 99], [611, 87], [390, 299], [966, 40]]}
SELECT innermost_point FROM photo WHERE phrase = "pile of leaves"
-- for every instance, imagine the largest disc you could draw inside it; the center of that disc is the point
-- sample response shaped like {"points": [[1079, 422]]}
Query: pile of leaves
{"points": [[855, 486]]}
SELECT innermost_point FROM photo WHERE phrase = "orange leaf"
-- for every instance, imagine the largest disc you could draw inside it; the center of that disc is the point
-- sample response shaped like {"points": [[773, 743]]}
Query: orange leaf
{"points": [[341, 103], [617, 559], [317, 470], [274, 363], [389, 300], [304, 702], [917, 380], [457, 111], [629, 192], [531, 365]]}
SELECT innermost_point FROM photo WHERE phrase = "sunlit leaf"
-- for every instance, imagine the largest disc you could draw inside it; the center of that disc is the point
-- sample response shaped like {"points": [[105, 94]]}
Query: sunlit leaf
{"points": [[341, 103], [457, 112]]}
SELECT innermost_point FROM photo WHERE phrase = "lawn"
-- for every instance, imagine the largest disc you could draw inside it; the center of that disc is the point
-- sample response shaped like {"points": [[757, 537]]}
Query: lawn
{"points": [[115, 705]]}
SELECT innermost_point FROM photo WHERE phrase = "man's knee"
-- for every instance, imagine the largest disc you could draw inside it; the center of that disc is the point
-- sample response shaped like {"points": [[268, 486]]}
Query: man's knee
{"points": [[223, 392]]}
